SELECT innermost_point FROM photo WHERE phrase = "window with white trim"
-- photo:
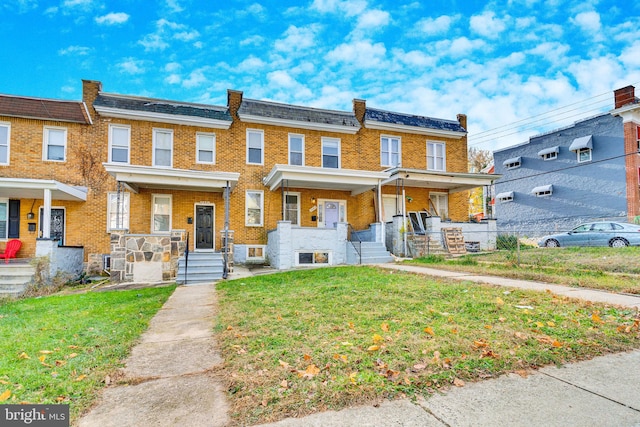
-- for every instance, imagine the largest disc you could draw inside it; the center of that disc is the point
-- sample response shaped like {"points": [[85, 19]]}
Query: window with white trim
{"points": [[55, 144], [161, 213], [505, 197], [584, 155], [543, 191], [5, 132], [313, 257], [330, 152], [255, 253], [163, 147], [436, 156], [296, 149], [254, 208], [439, 204], [205, 148], [4, 218], [119, 143], [255, 146], [390, 151], [292, 208], [118, 211]]}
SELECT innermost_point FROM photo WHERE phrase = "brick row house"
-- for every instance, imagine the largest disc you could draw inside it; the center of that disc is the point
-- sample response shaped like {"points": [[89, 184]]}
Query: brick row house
{"points": [[137, 183]]}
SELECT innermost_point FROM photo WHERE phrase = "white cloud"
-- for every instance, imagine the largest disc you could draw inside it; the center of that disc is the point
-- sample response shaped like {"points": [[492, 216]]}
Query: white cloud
{"points": [[75, 51], [373, 19], [251, 65], [186, 36], [172, 67], [629, 56], [132, 66], [459, 47], [597, 75], [196, 78], [414, 58], [555, 52], [589, 22], [296, 39], [435, 26], [348, 8], [174, 6], [153, 42], [168, 30], [113, 18], [252, 41], [487, 25], [77, 3], [173, 79], [363, 53]]}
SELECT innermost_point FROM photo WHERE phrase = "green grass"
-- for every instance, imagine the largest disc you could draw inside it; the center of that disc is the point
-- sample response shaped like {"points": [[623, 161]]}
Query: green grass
{"points": [[609, 269], [306, 341], [58, 349]]}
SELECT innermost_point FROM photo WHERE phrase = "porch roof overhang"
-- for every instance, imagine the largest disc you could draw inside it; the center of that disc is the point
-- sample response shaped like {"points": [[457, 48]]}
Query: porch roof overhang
{"points": [[355, 181], [21, 188], [453, 182], [136, 177]]}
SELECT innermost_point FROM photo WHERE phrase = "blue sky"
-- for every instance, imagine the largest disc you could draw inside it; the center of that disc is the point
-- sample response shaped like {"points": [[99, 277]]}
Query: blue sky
{"points": [[515, 67]]}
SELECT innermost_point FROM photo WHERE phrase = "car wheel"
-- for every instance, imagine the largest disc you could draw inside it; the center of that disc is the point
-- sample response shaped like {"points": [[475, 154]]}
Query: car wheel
{"points": [[618, 243], [551, 243]]}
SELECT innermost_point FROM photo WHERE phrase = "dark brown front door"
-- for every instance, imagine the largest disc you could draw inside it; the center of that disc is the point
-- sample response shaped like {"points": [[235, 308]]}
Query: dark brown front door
{"points": [[204, 227]]}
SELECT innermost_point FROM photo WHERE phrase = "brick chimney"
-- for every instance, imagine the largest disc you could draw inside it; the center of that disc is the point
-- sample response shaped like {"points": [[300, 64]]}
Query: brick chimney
{"points": [[234, 99], [462, 118], [624, 96], [359, 108], [90, 90]]}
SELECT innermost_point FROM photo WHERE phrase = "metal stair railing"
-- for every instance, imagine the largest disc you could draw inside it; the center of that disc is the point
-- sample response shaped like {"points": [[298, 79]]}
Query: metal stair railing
{"points": [[358, 249]]}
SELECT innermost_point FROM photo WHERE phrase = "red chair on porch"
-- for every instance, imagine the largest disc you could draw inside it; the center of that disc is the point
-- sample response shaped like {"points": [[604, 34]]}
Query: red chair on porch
{"points": [[13, 246]]}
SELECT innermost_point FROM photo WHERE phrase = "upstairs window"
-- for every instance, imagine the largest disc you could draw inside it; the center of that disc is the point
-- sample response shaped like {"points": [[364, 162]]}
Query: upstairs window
{"points": [[163, 148], [255, 147], [119, 142], [637, 129], [4, 143], [512, 163], [296, 149], [507, 196], [543, 191], [582, 147], [436, 156], [330, 152], [584, 155], [389, 151], [205, 148], [549, 153], [55, 144]]}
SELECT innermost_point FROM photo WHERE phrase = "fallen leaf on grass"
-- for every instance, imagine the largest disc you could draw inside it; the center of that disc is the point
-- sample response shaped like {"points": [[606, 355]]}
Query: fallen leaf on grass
{"points": [[596, 318], [352, 377], [73, 346], [419, 366], [72, 355], [310, 372], [385, 327], [283, 364], [429, 331], [556, 344], [374, 348], [46, 351], [377, 338], [458, 382], [522, 373], [499, 301], [284, 384], [81, 377], [23, 355], [4, 396]]}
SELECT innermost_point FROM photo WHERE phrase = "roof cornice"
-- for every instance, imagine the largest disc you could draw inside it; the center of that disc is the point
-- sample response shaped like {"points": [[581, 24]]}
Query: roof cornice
{"points": [[162, 117], [394, 127], [326, 127], [629, 113]]}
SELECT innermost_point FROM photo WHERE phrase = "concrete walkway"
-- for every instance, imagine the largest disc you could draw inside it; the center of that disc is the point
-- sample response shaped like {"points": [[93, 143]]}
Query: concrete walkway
{"points": [[170, 382]]}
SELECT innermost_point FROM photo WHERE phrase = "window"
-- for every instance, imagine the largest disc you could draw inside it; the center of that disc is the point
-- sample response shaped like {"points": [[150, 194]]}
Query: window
{"points": [[292, 208], [512, 163], [118, 211], [119, 140], [161, 215], [439, 205], [584, 155], [206, 148], [4, 143], [330, 152], [296, 149], [549, 153], [4, 218], [253, 208], [390, 151], [637, 129], [543, 190], [505, 197], [255, 253], [55, 144], [315, 257], [162, 147], [255, 147], [435, 156]]}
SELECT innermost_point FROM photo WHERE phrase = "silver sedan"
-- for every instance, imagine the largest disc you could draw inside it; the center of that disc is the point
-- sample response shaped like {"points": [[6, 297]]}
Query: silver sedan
{"points": [[614, 234]]}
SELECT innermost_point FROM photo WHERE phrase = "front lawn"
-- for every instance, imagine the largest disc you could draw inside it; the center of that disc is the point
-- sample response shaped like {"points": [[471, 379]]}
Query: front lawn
{"points": [[59, 349], [305, 341], [609, 269]]}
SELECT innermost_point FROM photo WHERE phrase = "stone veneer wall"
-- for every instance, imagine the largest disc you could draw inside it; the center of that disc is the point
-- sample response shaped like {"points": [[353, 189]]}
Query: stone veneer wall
{"points": [[146, 257]]}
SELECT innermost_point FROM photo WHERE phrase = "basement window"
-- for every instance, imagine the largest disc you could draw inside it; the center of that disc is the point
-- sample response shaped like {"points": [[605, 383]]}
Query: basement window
{"points": [[255, 253], [313, 258]]}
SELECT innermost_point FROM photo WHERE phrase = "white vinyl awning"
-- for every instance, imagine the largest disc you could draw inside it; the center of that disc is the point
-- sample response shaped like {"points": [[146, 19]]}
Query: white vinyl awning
{"points": [[549, 150], [542, 189], [582, 142], [512, 161], [505, 195]]}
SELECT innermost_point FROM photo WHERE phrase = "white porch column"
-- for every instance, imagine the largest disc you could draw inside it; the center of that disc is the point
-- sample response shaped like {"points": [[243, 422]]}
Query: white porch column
{"points": [[46, 215]]}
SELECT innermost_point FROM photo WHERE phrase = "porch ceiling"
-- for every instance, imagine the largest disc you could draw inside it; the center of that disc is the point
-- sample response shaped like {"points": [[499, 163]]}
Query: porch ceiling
{"points": [[355, 181], [451, 181], [22, 188], [136, 177]]}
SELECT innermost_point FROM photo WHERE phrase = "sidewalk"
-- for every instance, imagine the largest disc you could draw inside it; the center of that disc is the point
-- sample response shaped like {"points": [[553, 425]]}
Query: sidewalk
{"points": [[170, 384]]}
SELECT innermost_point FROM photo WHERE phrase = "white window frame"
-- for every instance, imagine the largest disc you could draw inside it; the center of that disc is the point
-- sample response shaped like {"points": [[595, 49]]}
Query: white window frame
{"points": [[154, 197], [112, 146], [296, 135], [46, 143], [314, 253], [505, 199], [169, 132], [550, 156], [199, 147], [125, 209], [431, 147], [440, 196], [262, 248], [259, 132], [246, 208], [327, 139], [388, 139], [546, 193], [7, 143], [581, 151], [5, 202], [514, 165], [284, 207]]}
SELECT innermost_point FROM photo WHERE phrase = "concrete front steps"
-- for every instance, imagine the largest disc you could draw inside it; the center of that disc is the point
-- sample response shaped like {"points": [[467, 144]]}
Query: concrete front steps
{"points": [[203, 267], [370, 253], [14, 278]]}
